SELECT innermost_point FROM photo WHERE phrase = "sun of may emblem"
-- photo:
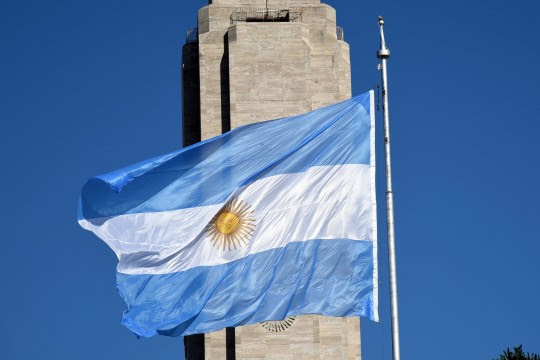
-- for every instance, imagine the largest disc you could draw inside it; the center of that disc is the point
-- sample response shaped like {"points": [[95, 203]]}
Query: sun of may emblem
{"points": [[233, 226], [278, 326]]}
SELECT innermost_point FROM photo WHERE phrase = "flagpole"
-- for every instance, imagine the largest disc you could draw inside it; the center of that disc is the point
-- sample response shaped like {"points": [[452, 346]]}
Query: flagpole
{"points": [[383, 54]]}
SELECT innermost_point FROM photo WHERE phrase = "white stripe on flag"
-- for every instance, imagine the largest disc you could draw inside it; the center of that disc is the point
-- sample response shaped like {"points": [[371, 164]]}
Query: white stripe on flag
{"points": [[325, 202]]}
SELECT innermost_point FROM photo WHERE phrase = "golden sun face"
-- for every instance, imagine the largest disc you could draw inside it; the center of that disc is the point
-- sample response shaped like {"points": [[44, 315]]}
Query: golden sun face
{"points": [[233, 225]]}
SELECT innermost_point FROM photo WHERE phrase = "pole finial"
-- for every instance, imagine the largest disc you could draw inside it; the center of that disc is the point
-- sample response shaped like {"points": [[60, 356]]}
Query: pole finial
{"points": [[384, 52]]}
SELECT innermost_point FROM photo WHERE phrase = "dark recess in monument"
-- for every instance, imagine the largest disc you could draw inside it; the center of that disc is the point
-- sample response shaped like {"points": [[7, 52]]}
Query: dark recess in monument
{"points": [[225, 83], [230, 343], [191, 98], [194, 347], [282, 18], [266, 15]]}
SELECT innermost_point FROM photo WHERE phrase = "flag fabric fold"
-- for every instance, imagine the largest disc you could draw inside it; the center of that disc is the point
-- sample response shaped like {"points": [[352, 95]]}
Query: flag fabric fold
{"points": [[269, 220]]}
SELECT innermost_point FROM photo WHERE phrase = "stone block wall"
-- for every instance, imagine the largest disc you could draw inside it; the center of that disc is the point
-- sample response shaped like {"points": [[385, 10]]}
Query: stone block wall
{"points": [[263, 62], [269, 71], [310, 337]]}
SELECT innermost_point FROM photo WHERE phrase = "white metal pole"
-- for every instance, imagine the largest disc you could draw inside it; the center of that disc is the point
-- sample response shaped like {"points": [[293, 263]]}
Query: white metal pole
{"points": [[384, 54]]}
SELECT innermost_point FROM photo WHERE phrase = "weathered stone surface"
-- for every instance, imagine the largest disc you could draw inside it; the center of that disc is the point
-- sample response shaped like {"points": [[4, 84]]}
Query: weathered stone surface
{"points": [[309, 337]]}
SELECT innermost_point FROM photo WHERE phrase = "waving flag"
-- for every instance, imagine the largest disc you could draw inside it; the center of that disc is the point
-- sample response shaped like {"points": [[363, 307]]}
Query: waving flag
{"points": [[269, 220]]}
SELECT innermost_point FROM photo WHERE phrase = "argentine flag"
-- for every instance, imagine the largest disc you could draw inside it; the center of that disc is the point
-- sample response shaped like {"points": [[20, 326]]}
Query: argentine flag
{"points": [[269, 220]]}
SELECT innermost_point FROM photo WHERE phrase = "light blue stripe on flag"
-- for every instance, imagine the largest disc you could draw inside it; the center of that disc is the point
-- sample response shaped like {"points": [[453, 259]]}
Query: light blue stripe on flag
{"points": [[207, 173], [333, 278]]}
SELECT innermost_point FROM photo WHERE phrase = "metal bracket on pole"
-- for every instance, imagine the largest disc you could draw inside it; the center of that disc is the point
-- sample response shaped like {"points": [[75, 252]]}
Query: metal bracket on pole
{"points": [[384, 54]]}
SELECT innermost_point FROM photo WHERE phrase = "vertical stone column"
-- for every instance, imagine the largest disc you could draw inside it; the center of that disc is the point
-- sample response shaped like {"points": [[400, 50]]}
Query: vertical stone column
{"points": [[256, 70], [214, 22]]}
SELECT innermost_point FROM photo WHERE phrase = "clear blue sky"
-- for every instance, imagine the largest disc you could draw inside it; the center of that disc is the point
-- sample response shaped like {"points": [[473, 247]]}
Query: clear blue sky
{"points": [[89, 86]]}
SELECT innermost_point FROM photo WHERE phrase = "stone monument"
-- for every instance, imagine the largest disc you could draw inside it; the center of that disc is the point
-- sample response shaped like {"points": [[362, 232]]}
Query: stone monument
{"points": [[255, 60]]}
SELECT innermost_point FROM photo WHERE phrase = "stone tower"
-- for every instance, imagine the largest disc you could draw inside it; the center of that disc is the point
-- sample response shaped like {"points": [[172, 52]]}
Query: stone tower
{"points": [[255, 60]]}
